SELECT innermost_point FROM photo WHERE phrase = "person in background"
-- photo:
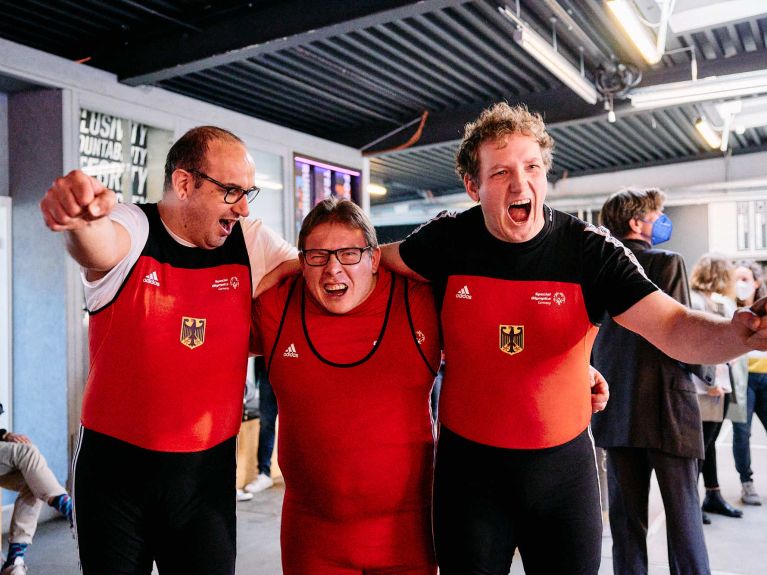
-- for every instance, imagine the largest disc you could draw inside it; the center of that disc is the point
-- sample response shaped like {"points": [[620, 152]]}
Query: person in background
{"points": [[169, 287], [524, 287], [267, 408], [749, 286], [24, 469], [712, 283], [652, 423]]}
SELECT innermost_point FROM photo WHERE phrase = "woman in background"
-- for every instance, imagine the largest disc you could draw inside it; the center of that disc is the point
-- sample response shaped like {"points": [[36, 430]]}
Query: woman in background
{"points": [[712, 289], [749, 286]]}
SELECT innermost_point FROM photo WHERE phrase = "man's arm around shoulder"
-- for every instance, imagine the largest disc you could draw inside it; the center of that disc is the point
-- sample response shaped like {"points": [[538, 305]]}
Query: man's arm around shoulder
{"points": [[392, 260]]}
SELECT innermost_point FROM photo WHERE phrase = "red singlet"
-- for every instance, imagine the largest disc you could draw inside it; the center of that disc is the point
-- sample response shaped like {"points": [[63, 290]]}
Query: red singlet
{"points": [[168, 355], [518, 355], [355, 439]]}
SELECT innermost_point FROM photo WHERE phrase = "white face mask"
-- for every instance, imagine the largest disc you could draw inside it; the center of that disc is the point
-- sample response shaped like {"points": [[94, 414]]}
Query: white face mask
{"points": [[744, 290]]}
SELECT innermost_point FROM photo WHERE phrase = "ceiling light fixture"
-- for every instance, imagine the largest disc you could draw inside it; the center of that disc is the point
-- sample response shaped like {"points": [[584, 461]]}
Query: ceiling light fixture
{"points": [[635, 30], [552, 60], [704, 129], [712, 88], [376, 190]]}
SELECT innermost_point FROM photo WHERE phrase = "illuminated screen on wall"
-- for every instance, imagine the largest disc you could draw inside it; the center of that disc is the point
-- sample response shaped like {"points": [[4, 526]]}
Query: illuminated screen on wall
{"points": [[317, 180]]}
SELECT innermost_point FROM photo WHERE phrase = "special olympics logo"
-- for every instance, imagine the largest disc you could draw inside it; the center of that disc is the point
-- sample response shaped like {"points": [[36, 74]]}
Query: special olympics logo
{"points": [[559, 298]]}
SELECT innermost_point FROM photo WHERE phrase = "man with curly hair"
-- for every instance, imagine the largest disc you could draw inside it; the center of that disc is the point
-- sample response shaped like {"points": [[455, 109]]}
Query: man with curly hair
{"points": [[524, 287]]}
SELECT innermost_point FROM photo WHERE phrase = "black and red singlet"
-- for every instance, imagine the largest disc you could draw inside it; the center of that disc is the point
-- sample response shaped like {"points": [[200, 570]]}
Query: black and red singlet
{"points": [[179, 323], [519, 320], [355, 435]]}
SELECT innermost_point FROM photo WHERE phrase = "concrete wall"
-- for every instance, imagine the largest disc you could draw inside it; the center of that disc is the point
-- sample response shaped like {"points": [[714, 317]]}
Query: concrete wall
{"points": [[690, 237], [39, 386], [3, 144]]}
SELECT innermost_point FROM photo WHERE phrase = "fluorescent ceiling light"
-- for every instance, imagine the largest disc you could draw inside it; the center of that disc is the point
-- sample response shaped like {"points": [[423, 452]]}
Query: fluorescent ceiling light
{"points": [[268, 184], [635, 30], [713, 88], [552, 60], [376, 190], [708, 133]]}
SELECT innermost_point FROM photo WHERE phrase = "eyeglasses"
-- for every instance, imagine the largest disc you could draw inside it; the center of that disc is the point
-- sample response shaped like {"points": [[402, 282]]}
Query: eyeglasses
{"points": [[233, 193], [345, 256]]}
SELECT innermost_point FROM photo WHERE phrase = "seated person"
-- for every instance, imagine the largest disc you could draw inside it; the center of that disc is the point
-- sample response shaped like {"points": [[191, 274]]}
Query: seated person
{"points": [[23, 469]]}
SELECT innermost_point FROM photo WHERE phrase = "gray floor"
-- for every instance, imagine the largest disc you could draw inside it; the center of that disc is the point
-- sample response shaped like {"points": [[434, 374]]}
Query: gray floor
{"points": [[736, 546]]}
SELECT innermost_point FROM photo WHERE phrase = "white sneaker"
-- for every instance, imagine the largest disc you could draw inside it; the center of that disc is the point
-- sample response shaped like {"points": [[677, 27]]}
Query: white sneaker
{"points": [[749, 496], [244, 495], [18, 568], [259, 484]]}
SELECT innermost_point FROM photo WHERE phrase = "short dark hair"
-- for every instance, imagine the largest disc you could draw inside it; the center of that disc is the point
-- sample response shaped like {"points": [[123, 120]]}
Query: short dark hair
{"points": [[494, 123], [190, 150], [337, 211], [627, 204]]}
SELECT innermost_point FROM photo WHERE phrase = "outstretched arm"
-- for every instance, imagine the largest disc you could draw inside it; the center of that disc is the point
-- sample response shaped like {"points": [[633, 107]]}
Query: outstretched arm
{"points": [[392, 260], [693, 336], [79, 206]]}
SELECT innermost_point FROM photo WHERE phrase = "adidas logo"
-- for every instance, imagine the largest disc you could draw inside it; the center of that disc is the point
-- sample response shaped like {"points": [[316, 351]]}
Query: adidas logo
{"points": [[290, 351], [463, 293], [152, 279]]}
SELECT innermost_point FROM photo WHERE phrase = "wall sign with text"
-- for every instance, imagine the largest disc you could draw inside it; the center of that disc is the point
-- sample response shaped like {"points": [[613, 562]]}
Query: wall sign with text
{"points": [[125, 156]]}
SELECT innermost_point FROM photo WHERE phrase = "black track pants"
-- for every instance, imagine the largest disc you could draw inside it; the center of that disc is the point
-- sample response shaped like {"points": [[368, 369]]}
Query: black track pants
{"points": [[488, 501]]}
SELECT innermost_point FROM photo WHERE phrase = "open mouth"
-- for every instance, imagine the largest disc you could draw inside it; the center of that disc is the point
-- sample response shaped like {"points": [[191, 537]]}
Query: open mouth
{"points": [[519, 211], [226, 225], [335, 290]]}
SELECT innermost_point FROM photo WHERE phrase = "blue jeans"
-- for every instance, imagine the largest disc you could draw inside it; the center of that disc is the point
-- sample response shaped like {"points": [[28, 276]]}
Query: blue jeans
{"points": [[741, 432], [267, 407]]}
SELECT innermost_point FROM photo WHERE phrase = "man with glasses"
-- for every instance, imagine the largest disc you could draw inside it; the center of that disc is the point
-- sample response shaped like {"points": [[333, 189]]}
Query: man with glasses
{"points": [[169, 288], [352, 351]]}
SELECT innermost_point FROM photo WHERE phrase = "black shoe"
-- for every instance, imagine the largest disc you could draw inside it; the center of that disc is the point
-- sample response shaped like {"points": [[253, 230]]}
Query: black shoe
{"points": [[706, 519], [714, 503]]}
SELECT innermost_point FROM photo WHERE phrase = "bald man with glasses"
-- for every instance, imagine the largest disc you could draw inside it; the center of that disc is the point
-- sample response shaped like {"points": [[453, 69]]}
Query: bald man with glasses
{"points": [[169, 288]]}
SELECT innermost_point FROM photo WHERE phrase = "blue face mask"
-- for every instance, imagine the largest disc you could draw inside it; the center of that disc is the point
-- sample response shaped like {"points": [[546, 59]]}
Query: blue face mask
{"points": [[661, 230]]}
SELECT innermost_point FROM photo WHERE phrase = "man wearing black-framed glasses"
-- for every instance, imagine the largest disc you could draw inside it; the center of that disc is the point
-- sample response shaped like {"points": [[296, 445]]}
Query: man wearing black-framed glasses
{"points": [[352, 351], [155, 466], [232, 193]]}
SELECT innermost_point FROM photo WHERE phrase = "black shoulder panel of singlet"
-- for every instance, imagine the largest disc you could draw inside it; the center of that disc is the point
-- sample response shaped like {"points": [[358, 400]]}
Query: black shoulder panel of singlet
{"points": [[163, 248]]}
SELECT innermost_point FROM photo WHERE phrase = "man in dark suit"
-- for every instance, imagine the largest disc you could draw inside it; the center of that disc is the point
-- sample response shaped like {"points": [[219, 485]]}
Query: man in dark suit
{"points": [[652, 421]]}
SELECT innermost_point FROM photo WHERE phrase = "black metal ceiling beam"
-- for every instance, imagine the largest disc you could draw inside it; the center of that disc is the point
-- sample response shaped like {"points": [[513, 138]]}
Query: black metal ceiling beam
{"points": [[267, 29], [555, 106]]}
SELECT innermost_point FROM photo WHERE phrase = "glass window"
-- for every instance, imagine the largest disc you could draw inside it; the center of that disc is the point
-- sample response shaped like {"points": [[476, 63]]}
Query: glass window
{"points": [[317, 180], [126, 156], [760, 220], [743, 226], [268, 206]]}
